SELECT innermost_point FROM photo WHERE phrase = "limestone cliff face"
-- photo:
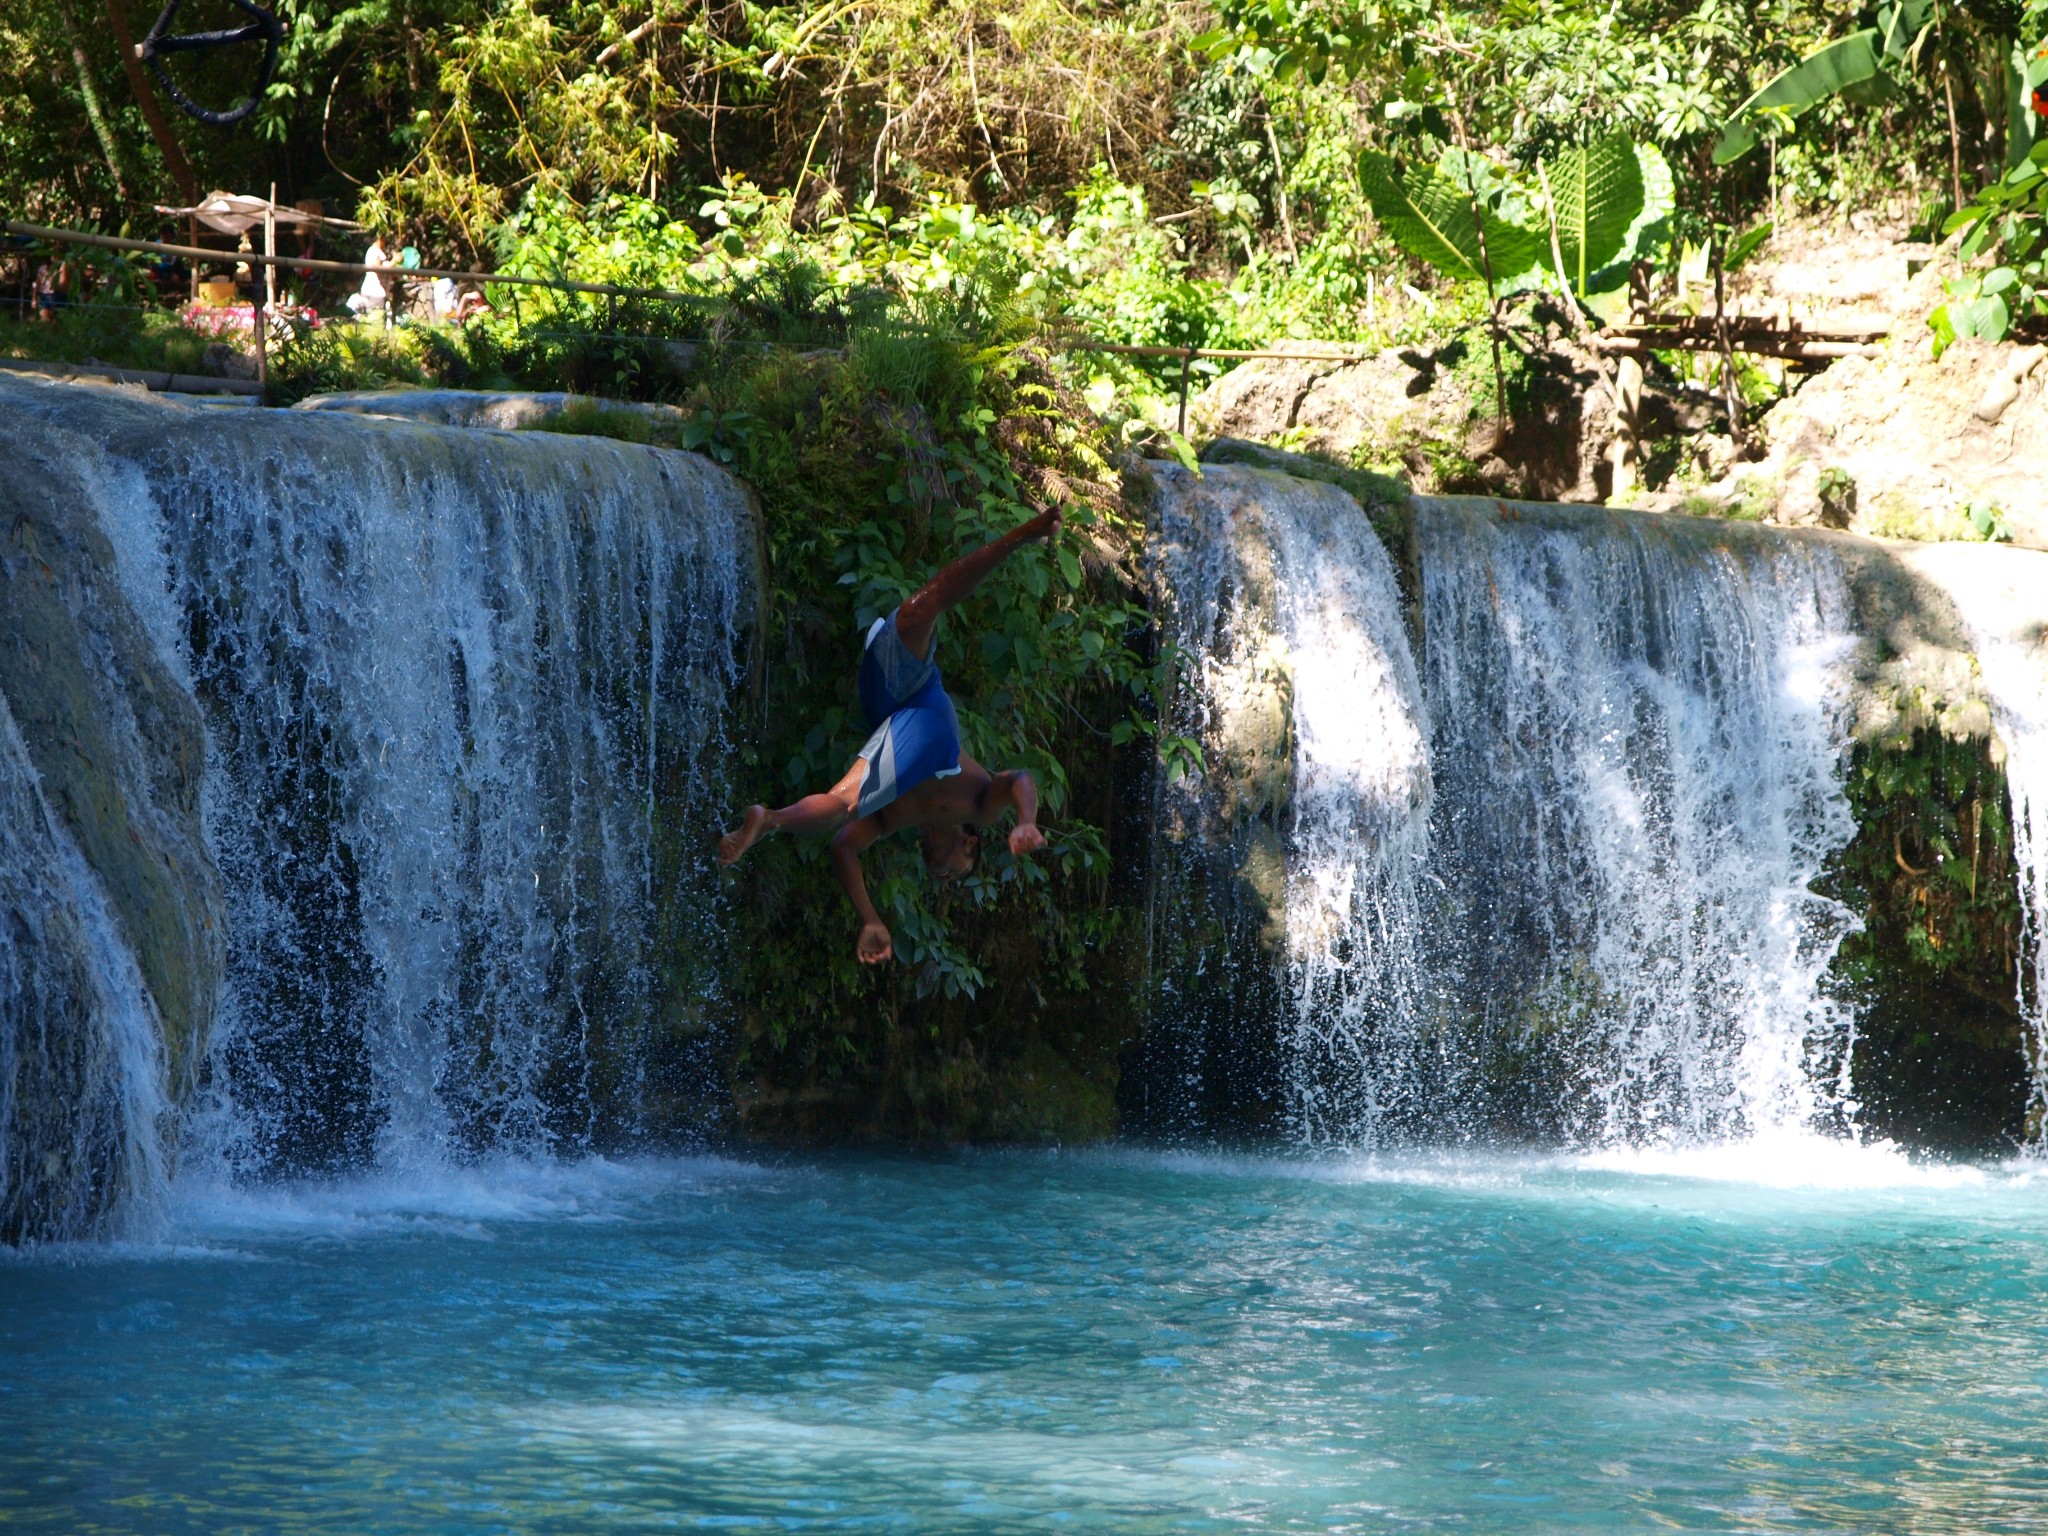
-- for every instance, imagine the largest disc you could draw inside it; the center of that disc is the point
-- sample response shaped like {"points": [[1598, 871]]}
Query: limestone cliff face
{"points": [[105, 751], [1911, 442], [114, 736]]}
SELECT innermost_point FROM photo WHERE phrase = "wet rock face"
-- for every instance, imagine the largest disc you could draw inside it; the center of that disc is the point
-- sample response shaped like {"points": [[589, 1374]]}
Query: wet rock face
{"points": [[53, 1041], [1244, 722], [114, 738], [1250, 743], [111, 927]]}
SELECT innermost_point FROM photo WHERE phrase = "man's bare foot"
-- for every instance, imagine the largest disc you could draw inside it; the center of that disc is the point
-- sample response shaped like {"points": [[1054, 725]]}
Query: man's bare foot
{"points": [[743, 837]]}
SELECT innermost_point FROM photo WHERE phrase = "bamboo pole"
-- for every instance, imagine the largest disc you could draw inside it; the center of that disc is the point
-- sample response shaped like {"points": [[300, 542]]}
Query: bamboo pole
{"points": [[1814, 345], [350, 268]]}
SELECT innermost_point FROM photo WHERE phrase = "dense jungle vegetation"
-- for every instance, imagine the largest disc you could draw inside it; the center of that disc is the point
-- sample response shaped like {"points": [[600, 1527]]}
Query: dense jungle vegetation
{"points": [[888, 220], [1187, 172]]}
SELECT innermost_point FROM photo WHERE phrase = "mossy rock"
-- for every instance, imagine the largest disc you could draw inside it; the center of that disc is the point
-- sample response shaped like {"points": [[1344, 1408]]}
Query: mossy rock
{"points": [[115, 738]]}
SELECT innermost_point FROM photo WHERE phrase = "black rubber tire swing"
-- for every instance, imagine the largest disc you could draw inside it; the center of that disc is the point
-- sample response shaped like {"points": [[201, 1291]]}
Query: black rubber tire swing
{"points": [[265, 26]]}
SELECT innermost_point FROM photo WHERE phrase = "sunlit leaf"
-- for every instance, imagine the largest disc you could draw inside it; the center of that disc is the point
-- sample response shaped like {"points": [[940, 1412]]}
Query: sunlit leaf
{"points": [[1599, 195], [1431, 219], [1828, 69]]}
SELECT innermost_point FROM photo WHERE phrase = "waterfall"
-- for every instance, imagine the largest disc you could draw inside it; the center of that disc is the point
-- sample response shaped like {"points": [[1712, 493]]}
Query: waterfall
{"points": [[465, 699], [1639, 741], [82, 1079], [1561, 882], [2018, 684], [1299, 685]]}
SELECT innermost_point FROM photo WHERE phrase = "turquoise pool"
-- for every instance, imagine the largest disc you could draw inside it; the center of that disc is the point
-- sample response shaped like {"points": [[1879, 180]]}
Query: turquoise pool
{"points": [[1789, 1339]]}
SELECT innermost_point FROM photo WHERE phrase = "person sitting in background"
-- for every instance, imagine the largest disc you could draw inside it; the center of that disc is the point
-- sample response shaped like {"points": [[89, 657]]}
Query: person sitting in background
{"points": [[168, 274], [372, 295]]}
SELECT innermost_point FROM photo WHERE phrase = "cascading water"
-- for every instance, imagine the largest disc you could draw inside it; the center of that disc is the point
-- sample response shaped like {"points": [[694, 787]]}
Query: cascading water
{"points": [[1565, 883], [465, 697], [1299, 684], [1639, 743], [2018, 682], [82, 1080]]}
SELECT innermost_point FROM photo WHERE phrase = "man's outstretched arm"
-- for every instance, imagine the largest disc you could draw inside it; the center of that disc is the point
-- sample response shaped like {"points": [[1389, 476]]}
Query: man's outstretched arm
{"points": [[848, 844], [956, 582], [1016, 786]]}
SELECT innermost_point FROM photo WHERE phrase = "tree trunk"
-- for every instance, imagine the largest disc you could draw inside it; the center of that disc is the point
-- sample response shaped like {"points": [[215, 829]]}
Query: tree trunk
{"points": [[152, 110], [89, 89], [1624, 450], [1731, 384], [1955, 139]]}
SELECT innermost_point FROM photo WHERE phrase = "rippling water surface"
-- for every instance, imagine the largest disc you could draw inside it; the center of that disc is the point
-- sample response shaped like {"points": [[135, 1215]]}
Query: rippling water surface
{"points": [[1779, 1339]]}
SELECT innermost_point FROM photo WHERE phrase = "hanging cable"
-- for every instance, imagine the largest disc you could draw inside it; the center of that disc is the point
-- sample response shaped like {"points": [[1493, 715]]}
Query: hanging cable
{"points": [[265, 26]]}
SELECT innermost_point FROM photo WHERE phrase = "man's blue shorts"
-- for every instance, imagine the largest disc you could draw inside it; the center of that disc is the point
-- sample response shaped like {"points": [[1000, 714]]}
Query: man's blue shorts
{"points": [[917, 735]]}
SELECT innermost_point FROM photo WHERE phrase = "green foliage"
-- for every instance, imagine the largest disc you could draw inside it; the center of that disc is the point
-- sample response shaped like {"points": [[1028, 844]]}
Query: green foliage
{"points": [[1931, 866], [1836, 488], [1987, 520], [594, 418], [314, 360], [1931, 967], [1312, 38], [936, 426], [1599, 195], [1828, 70], [2009, 220], [120, 336], [1433, 219], [1611, 200]]}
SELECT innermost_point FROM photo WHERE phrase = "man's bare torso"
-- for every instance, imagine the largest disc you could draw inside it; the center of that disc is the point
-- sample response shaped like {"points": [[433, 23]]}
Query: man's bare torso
{"points": [[961, 797]]}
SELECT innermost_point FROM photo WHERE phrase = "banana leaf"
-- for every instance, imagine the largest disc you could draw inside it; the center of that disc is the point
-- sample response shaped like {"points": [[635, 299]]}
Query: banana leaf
{"points": [[1901, 25], [1820, 74]]}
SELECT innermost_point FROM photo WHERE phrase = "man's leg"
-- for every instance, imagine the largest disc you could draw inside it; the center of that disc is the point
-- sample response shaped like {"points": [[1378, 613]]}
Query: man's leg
{"points": [[956, 582], [814, 815]]}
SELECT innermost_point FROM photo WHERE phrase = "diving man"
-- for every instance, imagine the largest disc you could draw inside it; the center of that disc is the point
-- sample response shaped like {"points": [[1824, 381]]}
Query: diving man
{"points": [[912, 772]]}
